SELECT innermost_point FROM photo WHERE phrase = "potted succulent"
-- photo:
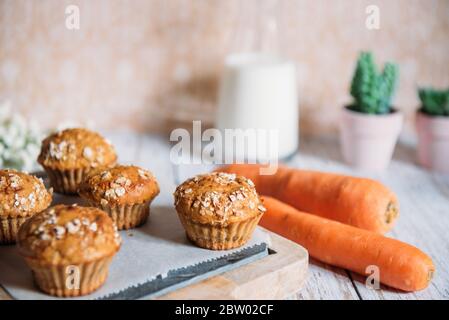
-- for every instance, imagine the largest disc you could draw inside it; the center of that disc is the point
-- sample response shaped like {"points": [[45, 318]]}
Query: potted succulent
{"points": [[370, 126], [432, 125]]}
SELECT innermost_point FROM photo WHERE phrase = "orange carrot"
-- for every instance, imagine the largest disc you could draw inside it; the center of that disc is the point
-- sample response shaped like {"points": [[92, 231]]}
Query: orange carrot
{"points": [[401, 265], [360, 202]]}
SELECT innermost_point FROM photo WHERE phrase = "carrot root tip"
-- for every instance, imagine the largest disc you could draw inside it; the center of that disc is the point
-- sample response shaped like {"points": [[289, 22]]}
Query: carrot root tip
{"points": [[391, 213], [430, 275]]}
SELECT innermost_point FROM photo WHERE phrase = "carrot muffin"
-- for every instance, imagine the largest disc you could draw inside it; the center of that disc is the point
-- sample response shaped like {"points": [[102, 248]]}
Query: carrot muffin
{"points": [[69, 249], [124, 192], [21, 196], [218, 210], [67, 156]]}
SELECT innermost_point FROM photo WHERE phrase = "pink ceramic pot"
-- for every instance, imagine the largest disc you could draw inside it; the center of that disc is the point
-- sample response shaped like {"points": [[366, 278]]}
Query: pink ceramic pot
{"points": [[368, 141], [433, 142]]}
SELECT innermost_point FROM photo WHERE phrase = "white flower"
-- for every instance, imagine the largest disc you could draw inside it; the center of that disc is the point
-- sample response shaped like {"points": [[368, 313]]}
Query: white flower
{"points": [[19, 140]]}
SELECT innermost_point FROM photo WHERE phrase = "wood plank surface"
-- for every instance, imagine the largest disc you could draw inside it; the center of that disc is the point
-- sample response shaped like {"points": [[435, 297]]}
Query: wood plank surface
{"points": [[325, 282], [154, 155]]}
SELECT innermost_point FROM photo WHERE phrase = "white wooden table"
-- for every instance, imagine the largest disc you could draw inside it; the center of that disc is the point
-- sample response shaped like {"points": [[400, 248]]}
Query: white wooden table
{"points": [[423, 222]]}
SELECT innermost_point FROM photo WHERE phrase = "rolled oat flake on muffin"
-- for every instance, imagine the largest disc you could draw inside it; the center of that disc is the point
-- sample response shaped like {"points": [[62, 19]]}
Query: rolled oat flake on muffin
{"points": [[21, 196], [124, 192], [219, 211], [63, 237], [68, 155]]}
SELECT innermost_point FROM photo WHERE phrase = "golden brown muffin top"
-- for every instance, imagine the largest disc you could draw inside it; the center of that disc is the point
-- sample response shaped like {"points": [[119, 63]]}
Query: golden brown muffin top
{"points": [[218, 198], [76, 149], [22, 194], [65, 234], [119, 185]]}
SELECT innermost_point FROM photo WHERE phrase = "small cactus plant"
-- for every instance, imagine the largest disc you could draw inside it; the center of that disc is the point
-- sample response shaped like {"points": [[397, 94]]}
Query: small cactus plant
{"points": [[434, 102], [373, 91]]}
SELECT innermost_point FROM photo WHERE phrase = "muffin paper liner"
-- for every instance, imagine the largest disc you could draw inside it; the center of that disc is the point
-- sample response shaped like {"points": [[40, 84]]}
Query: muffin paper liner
{"points": [[126, 216], [59, 280], [9, 227], [66, 181], [218, 237]]}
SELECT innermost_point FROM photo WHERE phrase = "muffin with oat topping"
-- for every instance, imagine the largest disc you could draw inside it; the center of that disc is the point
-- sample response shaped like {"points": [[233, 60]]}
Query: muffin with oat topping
{"points": [[21, 196], [124, 192], [218, 210], [68, 155], [69, 249]]}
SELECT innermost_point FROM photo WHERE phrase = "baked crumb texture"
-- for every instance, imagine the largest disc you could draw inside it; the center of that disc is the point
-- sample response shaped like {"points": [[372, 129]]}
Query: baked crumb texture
{"points": [[124, 192], [69, 248], [21, 196], [68, 155], [218, 210]]}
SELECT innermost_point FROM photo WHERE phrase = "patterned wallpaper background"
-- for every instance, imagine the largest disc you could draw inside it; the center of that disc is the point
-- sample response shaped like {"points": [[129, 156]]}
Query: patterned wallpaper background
{"points": [[153, 64]]}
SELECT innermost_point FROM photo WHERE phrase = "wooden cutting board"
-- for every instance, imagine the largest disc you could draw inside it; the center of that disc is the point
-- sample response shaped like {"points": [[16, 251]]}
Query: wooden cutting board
{"points": [[276, 276]]}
